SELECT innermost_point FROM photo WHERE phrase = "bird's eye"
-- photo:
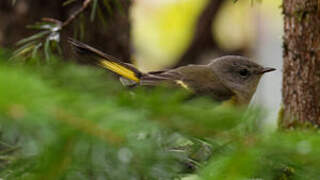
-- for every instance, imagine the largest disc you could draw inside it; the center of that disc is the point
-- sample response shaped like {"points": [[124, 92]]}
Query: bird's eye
{"points": [[244, 72]]}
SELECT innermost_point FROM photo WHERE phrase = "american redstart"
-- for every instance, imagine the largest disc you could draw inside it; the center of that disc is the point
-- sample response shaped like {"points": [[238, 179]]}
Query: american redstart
{"points": [[228, 78]]}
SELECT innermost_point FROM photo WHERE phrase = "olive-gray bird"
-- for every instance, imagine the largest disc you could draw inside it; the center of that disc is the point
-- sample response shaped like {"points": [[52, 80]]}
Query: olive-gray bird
{"points": [[229, 79]]}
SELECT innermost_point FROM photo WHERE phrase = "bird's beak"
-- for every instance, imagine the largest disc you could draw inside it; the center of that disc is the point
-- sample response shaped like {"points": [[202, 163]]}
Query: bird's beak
{"points": [[267, 69]]}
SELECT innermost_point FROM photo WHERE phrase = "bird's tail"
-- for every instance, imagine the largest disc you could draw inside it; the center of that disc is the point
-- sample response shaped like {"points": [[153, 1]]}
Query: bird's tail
{"points": [[106, 61]]}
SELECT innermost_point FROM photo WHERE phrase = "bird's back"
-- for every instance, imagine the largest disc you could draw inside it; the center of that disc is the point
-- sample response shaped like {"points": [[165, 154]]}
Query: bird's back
{"points": [[198, 78]]}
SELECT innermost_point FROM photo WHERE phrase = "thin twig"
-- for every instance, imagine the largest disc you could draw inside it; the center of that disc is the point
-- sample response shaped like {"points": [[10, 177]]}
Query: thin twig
{"points": [[52, 20], [76, 13]]}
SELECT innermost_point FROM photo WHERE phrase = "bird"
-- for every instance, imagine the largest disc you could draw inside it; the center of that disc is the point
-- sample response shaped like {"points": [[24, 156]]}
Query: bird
{"points": [[228, 79]]}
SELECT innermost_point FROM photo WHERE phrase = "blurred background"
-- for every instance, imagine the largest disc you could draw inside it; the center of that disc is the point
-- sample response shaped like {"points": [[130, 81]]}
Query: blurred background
{"points": [[158, 34], [163, 30]]}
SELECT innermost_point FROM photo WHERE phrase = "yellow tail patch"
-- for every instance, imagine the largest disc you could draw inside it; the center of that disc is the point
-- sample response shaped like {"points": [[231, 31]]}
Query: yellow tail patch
{"points": [[119, 69]]}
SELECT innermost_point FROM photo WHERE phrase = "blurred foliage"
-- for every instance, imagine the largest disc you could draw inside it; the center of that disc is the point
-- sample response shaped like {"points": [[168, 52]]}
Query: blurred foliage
{"points": [[47, 41], [161, 30], [66, 121]]}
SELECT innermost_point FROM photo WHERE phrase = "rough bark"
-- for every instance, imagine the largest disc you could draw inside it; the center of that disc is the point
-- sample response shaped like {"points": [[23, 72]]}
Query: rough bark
{"points": [[301, 63]]}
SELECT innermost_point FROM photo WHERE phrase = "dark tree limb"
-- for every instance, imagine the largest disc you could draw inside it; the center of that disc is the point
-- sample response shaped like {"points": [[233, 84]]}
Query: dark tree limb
{"points": [[74, 15], [203, 44], [202, 39]]}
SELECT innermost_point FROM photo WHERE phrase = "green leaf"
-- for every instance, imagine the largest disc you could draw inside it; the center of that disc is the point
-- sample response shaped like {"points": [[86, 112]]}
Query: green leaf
{"points": [[47, 49], [35, 50], [67, 2], [107, 5], [94, 9], [82, 27], [55, 45], [41, 25], [120, 7], [101, 17], [33, 37], [24, 49]]}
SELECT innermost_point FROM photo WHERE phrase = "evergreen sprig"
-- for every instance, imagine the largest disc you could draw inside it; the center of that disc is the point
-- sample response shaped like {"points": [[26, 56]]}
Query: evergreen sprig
{"points": [[48, 36], [66, 121]]}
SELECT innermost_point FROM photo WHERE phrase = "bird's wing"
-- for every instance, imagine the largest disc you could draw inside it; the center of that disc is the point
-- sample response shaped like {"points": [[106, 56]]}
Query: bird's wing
{"points": [[200, 79], [106, 61]]}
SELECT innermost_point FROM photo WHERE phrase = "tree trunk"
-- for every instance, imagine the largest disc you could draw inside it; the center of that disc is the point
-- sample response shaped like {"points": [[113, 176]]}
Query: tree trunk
{"points": [[301, 63]]}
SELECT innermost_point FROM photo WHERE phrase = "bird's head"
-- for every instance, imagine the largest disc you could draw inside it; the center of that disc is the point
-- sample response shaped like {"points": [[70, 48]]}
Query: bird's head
{"points": [[239, 74]]}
